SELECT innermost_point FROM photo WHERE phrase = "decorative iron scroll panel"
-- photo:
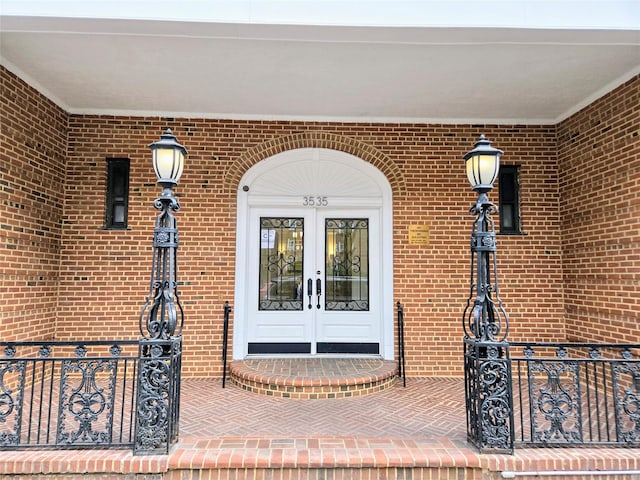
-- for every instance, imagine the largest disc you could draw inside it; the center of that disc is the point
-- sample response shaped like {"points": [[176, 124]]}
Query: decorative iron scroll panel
{"points": [[575, 394], [489, 405], [67, 394], [556, 410], [158, 399], [626, 390], [86, 402], [347, 264], [12, 385], [281, 255]]}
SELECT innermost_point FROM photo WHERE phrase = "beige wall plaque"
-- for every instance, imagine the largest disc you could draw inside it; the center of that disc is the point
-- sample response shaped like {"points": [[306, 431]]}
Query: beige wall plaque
{"points": [[418, 234]]}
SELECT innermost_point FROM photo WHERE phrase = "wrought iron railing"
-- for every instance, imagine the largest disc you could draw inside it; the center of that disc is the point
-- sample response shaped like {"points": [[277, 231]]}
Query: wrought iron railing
{"points": [[92, 394], [225, 341], [68, 394], [402, 372], [576, 394]]}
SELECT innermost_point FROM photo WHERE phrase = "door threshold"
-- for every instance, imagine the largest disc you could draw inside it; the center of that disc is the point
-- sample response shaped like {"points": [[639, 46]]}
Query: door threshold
{"points": [[312, 355]]}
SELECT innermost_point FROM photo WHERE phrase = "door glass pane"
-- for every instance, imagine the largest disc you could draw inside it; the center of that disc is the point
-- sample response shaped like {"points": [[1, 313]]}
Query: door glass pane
{"points": [[347, 264], [280, 263]]}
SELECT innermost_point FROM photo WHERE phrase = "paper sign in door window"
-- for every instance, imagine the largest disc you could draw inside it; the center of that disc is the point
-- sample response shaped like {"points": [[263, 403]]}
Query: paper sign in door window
{"points": [[267, 238]]}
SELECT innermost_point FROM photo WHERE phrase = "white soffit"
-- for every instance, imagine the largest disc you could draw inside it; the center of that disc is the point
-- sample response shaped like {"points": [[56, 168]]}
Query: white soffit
{"points": [[236, 63]]}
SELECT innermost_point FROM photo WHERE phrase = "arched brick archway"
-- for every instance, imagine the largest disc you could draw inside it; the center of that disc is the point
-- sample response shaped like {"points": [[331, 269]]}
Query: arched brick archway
{"points": [[316, 139]]}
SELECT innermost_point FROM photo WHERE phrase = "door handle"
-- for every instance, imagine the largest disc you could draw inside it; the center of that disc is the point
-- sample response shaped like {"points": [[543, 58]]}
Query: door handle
{"points": [[310, 291], [318, 291]]}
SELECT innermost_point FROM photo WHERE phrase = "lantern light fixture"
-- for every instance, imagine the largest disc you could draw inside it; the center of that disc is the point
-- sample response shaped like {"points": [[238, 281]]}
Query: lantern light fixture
{"points": [[168, 159], [483, 163]]}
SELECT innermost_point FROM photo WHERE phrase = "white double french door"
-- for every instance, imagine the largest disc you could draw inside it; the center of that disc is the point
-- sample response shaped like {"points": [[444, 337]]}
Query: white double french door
{"points": [[314, 280]]}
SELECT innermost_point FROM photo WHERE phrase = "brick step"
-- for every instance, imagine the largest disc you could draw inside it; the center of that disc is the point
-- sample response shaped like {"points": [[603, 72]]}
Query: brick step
{"points": [[335, 458], [353, 473], [317, 378], [324, 457], [391, 473]]}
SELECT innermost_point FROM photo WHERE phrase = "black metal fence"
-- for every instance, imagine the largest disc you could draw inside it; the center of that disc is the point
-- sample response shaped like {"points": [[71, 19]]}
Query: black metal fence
{"points": [[92, 394], [576, 394]]}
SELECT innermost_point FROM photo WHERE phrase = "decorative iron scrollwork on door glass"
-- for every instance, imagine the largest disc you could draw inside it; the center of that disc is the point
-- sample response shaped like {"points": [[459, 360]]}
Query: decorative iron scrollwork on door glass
{"points": [[347, 264], [281, 263]]}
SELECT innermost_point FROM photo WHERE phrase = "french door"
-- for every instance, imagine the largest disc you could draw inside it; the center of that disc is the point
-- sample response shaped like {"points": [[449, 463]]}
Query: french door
{"points": [[314, 282]]}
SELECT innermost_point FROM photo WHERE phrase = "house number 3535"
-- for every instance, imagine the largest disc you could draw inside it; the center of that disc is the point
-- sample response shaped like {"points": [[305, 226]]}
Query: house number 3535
{"points": [[314, 201]]}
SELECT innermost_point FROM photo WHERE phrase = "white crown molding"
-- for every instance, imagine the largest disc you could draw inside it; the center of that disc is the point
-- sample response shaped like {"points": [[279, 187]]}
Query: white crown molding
{"points": [[313, 118]]}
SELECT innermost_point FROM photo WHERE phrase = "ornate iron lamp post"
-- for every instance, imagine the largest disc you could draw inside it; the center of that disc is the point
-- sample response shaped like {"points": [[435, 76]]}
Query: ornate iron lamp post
{"points": [[162, 316], [162, 311], [487, 367]]}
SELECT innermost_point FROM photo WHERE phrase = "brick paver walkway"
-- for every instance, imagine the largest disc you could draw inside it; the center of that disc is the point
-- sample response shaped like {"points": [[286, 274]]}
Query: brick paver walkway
{"points": [[425, 408], [420, 426]]}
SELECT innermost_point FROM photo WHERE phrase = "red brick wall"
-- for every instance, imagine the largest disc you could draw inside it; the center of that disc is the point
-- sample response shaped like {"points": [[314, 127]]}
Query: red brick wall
{"points": [[105, 274], [599, 158], [33, 143]]}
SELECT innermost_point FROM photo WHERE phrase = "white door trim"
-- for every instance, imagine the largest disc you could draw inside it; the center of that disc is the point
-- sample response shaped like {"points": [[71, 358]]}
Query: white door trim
{"points": [[348, 181]]}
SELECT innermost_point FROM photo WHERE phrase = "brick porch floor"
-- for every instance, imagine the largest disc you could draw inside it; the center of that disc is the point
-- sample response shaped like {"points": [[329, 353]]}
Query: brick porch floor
{"points": [[413, 432]]}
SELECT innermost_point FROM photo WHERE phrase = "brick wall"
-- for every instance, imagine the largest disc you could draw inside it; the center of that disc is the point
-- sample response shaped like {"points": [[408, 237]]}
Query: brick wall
{"points": [[105, 274], [599, 158], [33, 142]]}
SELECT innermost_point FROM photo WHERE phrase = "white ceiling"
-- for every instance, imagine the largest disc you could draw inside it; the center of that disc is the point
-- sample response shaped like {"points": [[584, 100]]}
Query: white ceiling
{"points": [[229, 68]]}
